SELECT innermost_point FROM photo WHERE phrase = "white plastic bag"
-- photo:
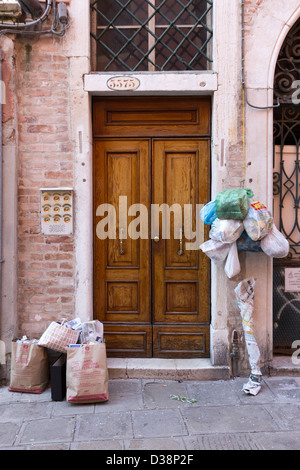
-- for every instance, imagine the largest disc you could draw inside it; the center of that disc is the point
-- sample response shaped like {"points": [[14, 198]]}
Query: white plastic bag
{"points": [[226, 230], [259, 221], [216, 251], [232, 266], [275, 244]]}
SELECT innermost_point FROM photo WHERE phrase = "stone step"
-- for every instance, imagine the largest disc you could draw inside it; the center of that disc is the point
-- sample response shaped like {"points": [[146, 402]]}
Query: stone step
{"points": [[166, 369]]}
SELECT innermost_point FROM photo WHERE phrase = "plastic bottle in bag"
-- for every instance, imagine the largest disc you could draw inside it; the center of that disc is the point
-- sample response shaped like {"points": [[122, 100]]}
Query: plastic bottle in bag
{"points": [[259, 221]]}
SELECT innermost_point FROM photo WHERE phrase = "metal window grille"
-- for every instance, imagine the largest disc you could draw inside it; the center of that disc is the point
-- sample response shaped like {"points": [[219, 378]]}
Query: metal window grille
{"points": [[151, 35], [287, 142], [286, 190]]}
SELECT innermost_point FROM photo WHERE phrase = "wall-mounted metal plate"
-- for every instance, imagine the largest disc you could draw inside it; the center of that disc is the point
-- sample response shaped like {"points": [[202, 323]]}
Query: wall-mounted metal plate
{"points": [[56, 211]]}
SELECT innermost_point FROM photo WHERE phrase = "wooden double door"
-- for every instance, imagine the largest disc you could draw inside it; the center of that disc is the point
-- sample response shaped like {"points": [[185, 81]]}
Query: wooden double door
{"points": [[151, 281]]}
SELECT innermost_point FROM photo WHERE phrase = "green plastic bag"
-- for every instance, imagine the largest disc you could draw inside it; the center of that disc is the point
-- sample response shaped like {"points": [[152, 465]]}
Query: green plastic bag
{"points": [[233, 204]]}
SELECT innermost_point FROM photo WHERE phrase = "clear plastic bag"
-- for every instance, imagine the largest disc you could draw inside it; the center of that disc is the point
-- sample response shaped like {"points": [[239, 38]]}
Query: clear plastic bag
{"points": [[259, 222], [226, 231], [232, 266], [92, 332], [216, 251], [275, 244]]}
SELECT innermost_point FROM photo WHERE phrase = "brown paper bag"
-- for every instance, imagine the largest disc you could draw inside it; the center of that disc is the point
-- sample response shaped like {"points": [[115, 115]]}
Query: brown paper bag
{"points": [[87, 374], [29, 368]]}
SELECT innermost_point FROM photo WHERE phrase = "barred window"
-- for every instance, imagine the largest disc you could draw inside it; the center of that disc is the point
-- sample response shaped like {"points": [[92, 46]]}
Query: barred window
{"points": [[151, 35]]}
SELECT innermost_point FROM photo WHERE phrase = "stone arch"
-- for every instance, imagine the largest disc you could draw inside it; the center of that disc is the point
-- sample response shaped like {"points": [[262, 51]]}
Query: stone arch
{"points": [[264, 40]]}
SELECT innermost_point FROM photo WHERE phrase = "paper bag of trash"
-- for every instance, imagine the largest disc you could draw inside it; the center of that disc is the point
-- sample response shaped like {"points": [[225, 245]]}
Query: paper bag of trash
{"points": [[58, 336], [244, 293], [29, 366], [87, 374]]}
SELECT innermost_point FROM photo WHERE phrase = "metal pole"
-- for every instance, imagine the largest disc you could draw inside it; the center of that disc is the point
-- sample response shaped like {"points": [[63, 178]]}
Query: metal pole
{"points": [[1, 185]]}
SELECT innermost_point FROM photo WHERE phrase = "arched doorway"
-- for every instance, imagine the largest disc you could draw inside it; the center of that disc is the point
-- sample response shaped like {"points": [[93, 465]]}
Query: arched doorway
{"points": [[286, 190]]}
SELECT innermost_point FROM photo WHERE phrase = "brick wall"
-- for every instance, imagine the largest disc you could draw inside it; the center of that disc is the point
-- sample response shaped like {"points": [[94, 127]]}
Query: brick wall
{"points": [[46, 263]]}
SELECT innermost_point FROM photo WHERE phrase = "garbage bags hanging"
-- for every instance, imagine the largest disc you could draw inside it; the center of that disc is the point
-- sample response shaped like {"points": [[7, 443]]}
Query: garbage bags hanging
{"points": [[233, 203], [244, 293]]}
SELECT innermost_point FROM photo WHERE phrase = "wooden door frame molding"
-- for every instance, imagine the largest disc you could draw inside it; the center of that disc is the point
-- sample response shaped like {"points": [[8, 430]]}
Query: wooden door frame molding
{"points": [[194, 118]]}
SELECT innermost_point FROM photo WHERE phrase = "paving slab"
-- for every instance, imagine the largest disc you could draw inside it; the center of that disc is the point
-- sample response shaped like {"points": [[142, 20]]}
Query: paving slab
{"points": [[158, 423], [17, 412], [41, 431], [167, 443], [213, 393], [8, 434], [157, 394], [286, 416], [103, 426], [123, 394], [224, 442], [106, 444], [279, 440], [228, 419]]}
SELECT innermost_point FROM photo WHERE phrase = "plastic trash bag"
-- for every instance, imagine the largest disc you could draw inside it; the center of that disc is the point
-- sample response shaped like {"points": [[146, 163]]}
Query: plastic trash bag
{"points": [[259, 222], [216, 251], [92, 332], [208, 213], [233, 203], [226, 231], [275, 244], [245, 243], [232, 266], [244, 293]]}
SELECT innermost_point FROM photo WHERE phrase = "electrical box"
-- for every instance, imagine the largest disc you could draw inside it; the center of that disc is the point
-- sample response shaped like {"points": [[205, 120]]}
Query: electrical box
{"points": [[10, 9], [56, 211]]}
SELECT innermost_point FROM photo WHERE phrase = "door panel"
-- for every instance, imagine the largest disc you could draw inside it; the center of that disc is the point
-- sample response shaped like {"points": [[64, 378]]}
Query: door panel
{"points": [[151, 116], [181, 279], [122, 277]]}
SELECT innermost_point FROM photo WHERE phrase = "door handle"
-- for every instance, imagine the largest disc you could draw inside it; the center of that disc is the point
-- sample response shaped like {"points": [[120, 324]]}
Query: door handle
{"points": [[121, 249], [156, 239], [181, 250]]}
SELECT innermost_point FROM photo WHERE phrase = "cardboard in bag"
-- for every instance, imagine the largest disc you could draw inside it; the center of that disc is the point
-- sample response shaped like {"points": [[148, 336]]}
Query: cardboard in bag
{"points": [[29, 368], [87, 374]]}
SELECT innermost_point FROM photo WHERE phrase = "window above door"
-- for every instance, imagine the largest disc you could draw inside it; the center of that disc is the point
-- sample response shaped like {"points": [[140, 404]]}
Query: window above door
{"points": [[151, 35]]}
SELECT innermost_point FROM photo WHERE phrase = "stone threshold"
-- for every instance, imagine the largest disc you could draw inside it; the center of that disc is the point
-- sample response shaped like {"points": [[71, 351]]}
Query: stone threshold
{"points": [[166, 369], [284, 366]]}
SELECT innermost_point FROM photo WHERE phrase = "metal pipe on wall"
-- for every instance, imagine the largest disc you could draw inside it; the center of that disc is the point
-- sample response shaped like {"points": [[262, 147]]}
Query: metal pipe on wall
{"points": [[1, 185]]}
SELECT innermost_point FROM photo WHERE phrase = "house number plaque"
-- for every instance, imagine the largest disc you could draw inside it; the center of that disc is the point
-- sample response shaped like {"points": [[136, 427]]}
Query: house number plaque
{"points": [[123, 83]]}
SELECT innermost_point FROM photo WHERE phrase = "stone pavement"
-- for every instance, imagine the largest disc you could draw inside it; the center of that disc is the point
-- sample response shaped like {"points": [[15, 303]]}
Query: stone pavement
{"points": [[140, 415]]}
